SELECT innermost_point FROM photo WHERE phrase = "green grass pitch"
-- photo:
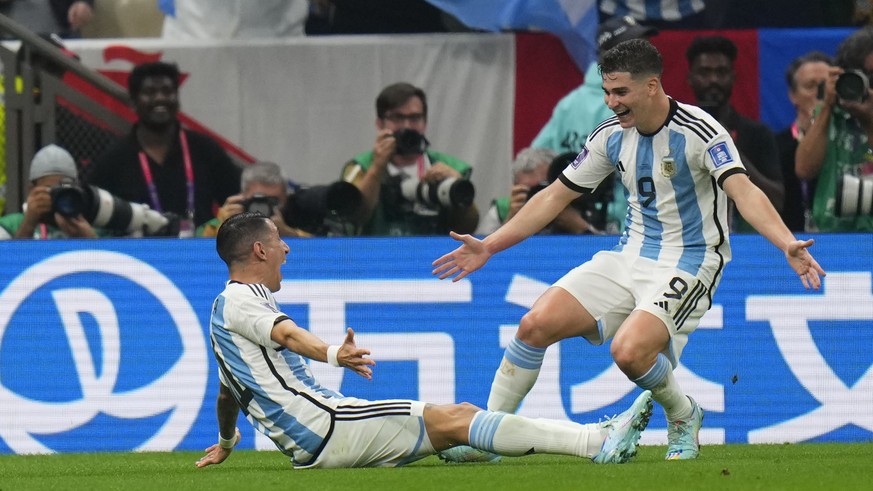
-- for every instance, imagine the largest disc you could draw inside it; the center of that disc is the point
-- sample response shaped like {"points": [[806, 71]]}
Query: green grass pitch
{"points": [[813, 466]]}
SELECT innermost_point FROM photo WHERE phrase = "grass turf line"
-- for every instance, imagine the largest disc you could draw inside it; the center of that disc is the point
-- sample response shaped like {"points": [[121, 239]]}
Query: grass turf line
{"points": [[813, 466]]}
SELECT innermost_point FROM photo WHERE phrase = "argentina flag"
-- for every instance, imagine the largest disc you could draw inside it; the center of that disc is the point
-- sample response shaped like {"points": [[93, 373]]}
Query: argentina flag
{"points": [[573, 21]]}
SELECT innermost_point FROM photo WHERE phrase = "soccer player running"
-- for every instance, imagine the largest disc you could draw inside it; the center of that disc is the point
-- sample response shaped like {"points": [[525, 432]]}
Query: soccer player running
{"points": [[262, 372], [649, 292]]}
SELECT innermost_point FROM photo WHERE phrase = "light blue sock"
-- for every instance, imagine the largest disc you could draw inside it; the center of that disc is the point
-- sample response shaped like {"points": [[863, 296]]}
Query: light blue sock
{"points": [[665, 390], [515, 377]]}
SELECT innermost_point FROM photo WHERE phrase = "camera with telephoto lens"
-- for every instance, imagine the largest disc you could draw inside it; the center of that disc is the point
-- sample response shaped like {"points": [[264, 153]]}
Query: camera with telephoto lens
{"points": [[410, 142], [261, 203], [853, 86], [854, 196], [326, 210], [450, 193], [102, 209]]}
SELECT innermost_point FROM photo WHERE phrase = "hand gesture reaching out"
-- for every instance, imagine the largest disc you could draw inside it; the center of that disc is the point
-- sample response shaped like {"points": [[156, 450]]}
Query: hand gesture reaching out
{"points": [[804, 264], [353, 358], [469, 257]]}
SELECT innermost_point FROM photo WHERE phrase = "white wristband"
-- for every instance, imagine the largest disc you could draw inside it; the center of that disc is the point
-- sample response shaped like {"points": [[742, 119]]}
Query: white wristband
{"points": [[331, 355], [227, 444]]}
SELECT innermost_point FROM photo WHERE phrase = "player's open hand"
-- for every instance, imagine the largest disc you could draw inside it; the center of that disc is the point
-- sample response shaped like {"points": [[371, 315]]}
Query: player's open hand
{"points": [[469, 257], [217, 454], [354, 358], [804, 264]]}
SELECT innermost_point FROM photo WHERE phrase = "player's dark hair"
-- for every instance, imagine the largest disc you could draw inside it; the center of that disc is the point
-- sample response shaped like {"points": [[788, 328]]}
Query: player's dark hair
{"points": [[811, 57], [396, 95], [636, 56], [854, 49], [711, 44], [154, 69], [237, 234]]}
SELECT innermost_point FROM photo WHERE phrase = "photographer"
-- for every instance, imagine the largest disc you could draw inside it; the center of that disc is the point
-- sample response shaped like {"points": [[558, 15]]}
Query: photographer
{"points": [[532, 172], [264, 189], [51, 166], [836, 149], [407, 188]]}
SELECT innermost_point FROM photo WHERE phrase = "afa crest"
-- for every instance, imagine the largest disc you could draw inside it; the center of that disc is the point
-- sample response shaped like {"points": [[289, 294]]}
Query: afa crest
{"points": [[668, 167]]}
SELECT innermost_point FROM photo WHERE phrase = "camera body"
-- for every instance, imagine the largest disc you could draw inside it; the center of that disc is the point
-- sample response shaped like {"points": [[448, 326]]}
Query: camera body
{"points": [[261, 203], [102, 209], [536, 188], [325, 210], [853, 86], [410, 142]]}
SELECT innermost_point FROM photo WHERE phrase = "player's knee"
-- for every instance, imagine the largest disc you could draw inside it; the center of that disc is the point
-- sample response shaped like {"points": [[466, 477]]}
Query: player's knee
{"points": [[624, 353], [536, 330]]}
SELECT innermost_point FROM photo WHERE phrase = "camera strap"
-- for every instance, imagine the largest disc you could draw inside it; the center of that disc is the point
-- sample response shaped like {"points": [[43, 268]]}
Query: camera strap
{"points": [[189, 177]]}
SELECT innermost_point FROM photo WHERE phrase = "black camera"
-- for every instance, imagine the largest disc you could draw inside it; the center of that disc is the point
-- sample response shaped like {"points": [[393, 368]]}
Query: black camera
{"points": [[536, 188], [323, 210], [853, 86], [410, 142], [102, 209], [854, 196], [450, 193], [261, 203]]}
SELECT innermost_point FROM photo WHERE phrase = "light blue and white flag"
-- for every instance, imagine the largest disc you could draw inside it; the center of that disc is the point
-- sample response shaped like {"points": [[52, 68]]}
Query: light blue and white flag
{"points": [[573, 21]]}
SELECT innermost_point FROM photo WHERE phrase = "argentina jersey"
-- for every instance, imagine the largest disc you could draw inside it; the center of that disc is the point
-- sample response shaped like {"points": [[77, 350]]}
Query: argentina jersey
{"points": [[274, 387], [677, 210]]}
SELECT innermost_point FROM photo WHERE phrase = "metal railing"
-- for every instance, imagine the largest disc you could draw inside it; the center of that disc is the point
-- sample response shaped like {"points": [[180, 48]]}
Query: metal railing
{"points": [[39, 107]]}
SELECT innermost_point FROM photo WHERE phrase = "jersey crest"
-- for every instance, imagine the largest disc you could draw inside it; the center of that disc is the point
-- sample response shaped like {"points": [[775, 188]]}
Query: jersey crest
{"points": [[668, 167]]}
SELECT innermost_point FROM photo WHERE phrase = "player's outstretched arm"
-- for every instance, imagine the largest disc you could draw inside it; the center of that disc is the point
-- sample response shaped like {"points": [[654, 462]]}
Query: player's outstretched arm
{"points": [[757, 210], [227, 411]]}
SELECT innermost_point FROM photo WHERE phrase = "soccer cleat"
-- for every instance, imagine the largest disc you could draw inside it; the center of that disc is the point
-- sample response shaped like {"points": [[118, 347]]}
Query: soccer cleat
{"points": [[624, 432], [682, 435], [465, 454]]}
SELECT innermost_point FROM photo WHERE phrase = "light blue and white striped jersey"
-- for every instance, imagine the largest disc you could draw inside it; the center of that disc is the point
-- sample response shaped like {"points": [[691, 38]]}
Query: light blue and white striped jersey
{"points": [[274, 387], [643, 10], [677, 210]]}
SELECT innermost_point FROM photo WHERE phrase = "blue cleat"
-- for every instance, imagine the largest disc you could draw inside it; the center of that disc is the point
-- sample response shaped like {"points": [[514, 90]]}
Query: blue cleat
{"points": [[682, 435], [624, 432], [465, 454]]}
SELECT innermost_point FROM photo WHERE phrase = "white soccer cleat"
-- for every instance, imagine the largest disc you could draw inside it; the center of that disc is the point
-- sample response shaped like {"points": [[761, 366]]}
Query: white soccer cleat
{"points": [[624, 432], [682, 436]]}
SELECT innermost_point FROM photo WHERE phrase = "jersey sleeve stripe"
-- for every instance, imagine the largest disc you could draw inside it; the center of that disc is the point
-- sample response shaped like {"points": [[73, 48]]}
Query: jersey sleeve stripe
{"points": [[728, 173], [575, 187], [700, 127]]}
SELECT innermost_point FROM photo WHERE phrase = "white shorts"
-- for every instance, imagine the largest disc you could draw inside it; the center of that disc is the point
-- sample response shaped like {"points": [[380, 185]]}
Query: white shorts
{"points": [[612, 285], [367, 437]]}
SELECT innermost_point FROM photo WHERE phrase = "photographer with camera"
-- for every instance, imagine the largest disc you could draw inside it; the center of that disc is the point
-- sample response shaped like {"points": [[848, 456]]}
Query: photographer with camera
{"points": [[408, 189], [264, 190], [52, 167], [532, 171], [836, 149]]}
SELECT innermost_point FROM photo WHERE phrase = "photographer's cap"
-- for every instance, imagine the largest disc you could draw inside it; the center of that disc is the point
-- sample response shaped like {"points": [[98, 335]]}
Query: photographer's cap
{"points": [[619, 29], [53, 160]]}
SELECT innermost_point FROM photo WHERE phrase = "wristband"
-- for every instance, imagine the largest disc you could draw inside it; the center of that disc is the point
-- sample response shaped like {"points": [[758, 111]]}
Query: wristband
{"points": [[331, 355], [227, 444]]}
